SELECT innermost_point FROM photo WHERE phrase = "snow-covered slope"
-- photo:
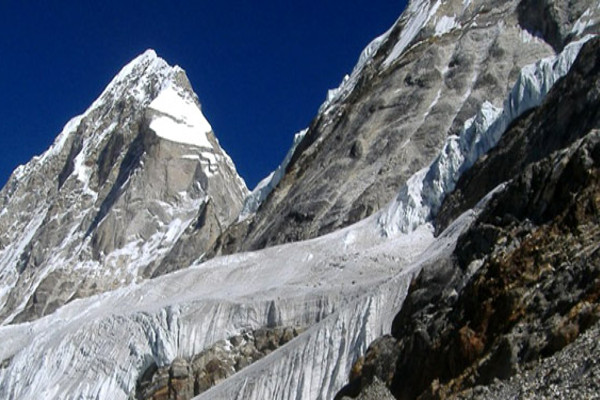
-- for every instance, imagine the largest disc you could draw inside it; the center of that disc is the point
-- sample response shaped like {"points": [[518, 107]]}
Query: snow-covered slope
{"points": [[113, 194]]}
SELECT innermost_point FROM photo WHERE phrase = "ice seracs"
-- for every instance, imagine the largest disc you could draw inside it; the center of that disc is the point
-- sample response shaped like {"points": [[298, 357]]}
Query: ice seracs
{"points": [[180, 314], [420, 198]]}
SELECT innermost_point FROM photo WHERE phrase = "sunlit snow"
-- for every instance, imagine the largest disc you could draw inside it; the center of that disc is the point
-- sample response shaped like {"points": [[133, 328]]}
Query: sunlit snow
{"points": [[179, 119], [445, 25], [418, 13], [584, 22], [345, 286]]}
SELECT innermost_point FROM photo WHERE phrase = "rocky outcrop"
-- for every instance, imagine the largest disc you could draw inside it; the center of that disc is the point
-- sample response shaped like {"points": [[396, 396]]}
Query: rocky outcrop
{"points": [[517, 290], [569, 374], [524, 279], [184, 379], [554, 20]]}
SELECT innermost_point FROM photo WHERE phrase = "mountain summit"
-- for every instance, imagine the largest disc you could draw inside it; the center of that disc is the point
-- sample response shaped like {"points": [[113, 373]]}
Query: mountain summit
{"points": [[133, 172]]}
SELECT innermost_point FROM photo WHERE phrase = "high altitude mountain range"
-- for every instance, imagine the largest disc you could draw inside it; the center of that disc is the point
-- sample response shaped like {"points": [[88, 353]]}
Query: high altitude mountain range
{"points": [[432, 234]]}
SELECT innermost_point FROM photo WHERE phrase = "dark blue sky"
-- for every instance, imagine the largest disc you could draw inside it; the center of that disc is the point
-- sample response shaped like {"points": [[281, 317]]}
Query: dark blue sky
{"points": [[260, 68]]}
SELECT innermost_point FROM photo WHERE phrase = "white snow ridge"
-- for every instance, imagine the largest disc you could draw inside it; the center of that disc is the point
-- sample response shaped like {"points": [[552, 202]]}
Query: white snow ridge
{"points": [[268, 184]]}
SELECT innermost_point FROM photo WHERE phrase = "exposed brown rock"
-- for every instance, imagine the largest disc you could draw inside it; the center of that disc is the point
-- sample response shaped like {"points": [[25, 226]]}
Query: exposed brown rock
{"points": [[184, 379]]}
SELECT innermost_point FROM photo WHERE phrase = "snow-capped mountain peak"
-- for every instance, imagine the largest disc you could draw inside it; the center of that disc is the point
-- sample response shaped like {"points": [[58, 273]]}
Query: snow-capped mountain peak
{"points": [[133, 172], [142, 78]]}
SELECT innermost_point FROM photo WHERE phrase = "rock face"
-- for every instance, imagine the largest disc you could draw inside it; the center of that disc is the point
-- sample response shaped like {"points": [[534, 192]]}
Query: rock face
{"points": [[523, 282], [414, 86], [570, 374], [137, 171]]}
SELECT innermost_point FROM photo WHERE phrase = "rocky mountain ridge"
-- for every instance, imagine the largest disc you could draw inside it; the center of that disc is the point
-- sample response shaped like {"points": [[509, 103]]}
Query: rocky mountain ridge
{"points": [[413, 87]]}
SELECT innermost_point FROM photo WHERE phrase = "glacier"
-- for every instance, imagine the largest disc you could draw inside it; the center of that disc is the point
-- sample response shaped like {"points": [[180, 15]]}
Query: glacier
{"points": [[338, 285], [345, 287], [322, 283]]}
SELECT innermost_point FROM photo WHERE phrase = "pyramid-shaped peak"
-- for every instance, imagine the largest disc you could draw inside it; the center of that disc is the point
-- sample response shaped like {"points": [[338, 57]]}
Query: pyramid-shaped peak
{"points": [[142, 78], [146, 59], [147, 63], [149, 53], [125, 179]]}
